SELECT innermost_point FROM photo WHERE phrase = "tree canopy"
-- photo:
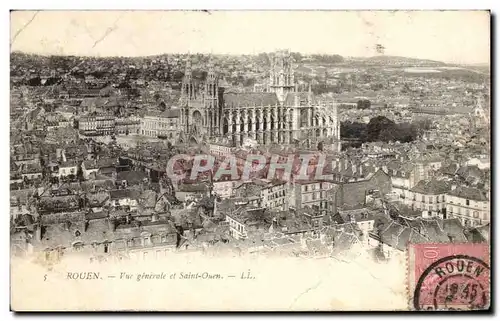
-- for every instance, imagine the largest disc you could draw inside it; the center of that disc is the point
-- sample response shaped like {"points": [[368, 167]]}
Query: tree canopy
{"points": [[381, 128]]}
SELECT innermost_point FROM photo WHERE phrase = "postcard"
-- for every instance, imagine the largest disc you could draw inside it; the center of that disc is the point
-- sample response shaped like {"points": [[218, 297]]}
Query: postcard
{"points": [[219, 160]]}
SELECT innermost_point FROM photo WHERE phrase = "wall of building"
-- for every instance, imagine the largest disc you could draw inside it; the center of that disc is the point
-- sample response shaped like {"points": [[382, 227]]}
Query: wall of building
{"points": [[470, 212], [354, 193]]}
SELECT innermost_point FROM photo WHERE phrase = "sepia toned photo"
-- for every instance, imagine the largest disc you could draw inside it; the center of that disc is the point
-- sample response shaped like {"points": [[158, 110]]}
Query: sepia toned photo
{"points": [[217, 160]]}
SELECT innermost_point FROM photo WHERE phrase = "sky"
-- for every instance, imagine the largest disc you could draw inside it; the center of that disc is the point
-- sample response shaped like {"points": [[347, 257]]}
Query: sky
{"points": [[461, 37]]}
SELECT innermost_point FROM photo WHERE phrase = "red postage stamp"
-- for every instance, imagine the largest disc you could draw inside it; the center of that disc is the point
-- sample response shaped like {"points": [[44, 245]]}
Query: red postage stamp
{"points": [[449, 276]]}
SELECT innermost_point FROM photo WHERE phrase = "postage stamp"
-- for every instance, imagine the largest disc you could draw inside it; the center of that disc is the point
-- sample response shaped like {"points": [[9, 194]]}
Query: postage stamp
{"points": [[449, 276]]}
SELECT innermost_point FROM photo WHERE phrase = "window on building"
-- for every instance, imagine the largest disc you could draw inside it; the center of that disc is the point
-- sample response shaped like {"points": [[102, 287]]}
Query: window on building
{"points": [[476, 214], [467, 202]]}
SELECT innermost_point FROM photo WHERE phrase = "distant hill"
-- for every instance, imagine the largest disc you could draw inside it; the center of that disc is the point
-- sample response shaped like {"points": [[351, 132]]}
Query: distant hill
{"points": [[401, 61], [481, 68]]}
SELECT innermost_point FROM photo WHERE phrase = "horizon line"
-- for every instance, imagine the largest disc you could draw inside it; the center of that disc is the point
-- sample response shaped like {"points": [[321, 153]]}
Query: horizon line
{"points": [[237, 54]]}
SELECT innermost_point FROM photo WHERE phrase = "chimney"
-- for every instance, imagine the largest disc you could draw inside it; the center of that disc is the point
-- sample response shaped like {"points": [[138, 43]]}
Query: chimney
{"points": [[154, 217], [86, 226], [360, 169], [346, 164], [63, 155], [67, 225], [353, 168], [58, 153]]}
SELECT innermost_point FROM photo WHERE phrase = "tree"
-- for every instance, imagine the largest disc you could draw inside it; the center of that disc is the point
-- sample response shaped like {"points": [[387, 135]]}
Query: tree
{"points": [[388, 134], [352, 130], [364, 104], [376, 125]]}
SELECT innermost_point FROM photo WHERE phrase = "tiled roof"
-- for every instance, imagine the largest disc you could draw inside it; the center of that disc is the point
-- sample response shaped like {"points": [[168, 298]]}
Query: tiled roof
{"points": [[432, 187], [398, 236], [480, 234], [132, 177], [98, 230], [360, 215], [97, 199], [469, 193], [471, 170], [106, 162], [250, 99], [249, 190], [90, 164], [201, 187], [123, 193], [69, 163], [453, 229], [169, 113], [59, 202], [450, 169]]}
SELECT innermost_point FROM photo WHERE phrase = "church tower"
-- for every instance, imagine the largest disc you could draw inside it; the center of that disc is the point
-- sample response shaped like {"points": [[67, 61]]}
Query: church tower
{"points": [[211, 100], [281, 76], [187, 94], [188, 90]]}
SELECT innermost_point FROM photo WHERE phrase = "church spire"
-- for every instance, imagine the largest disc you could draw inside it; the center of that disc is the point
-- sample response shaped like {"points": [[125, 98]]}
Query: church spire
{"points": [[188, 73], [187, 90], [281, 80], [211, 71]]}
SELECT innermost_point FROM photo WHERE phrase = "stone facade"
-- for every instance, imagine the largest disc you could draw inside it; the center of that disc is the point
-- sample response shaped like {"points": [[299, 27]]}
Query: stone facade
{"points": [[282, 115]]}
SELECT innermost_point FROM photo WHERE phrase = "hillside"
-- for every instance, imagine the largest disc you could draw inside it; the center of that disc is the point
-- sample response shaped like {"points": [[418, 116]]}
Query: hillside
{"points": [[402, 61]]}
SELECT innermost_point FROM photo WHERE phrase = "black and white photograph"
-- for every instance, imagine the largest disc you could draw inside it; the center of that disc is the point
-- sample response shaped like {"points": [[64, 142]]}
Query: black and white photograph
{"points": [[250, 160]]}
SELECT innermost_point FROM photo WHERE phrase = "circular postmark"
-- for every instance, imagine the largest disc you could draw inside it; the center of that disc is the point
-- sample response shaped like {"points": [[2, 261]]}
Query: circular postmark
{"points": [[457, 282]]}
